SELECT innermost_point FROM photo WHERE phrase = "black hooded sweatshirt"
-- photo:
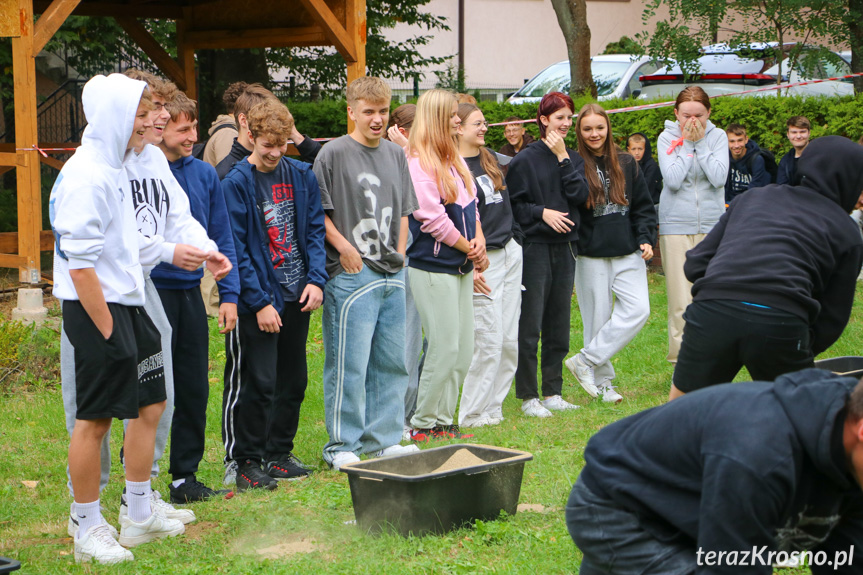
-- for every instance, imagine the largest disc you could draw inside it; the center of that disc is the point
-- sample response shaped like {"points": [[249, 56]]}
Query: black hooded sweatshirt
{"points": [[793, 248], [738, 466], [650, 169]]}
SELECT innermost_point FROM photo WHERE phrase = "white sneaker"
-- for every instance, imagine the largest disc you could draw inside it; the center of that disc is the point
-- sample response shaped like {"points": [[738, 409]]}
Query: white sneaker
{"points": [[609, 394], [343, 458], [396, 450], [583, 373], [72, 524], [230, 473], [557, 403], [184, 516], [156, 526], [477, 422], [406, 433], [495, 418], [99, 545], [533, 408]]}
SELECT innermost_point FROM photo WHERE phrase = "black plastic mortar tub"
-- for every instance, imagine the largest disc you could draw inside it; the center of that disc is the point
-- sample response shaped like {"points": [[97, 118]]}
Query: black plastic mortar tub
{"points": [[850, 365], [405, 494], [8, 565]]}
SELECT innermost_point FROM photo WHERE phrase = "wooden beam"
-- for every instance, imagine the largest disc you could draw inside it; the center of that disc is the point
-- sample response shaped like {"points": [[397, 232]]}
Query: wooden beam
{"points": [[9, 242], [113, 9], [53, 162], [51, 20], [154, 50], [341, 38], [260, 38], [48, 147], [26, 135], [12, 159], [12, 261], [356, 25], [186, 57]]}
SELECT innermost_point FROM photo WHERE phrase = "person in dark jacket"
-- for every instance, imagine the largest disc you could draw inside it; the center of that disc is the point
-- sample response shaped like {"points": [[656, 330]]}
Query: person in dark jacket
{"points": [[746, 168], [516, 137], [278, 224], [179, 290], [728, 480], [618, 228], [798, 135], [242, 147], [774, 280], [546, 189], [638, 146]]}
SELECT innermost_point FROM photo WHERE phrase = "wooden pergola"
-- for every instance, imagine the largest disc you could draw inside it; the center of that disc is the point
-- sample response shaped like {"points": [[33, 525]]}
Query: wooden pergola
{"points": [[201, 24]]}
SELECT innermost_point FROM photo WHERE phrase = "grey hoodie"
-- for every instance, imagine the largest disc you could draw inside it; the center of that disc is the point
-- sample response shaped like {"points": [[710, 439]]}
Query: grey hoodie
{"points": [[693, 176]]}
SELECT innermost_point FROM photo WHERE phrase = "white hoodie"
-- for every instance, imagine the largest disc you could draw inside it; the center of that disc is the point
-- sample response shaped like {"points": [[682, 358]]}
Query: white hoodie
{"points": [[93, 221], [161, 206]]}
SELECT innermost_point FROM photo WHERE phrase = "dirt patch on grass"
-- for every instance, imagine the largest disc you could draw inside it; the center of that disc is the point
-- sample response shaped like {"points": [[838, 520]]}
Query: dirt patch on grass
{"points": [[197, 530], [535, 508], [290, 547]]}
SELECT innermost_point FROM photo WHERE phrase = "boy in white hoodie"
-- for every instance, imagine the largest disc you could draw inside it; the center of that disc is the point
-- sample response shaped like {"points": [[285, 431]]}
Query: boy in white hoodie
{"points": [[99, 278]]}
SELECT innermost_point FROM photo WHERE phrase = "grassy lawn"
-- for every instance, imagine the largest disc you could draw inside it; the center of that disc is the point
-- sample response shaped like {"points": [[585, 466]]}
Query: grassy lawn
{"points": [[303, 527]]}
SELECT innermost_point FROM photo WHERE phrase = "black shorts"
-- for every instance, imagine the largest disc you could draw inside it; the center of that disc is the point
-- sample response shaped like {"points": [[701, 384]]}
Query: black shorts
{"points": [[115, 377]]}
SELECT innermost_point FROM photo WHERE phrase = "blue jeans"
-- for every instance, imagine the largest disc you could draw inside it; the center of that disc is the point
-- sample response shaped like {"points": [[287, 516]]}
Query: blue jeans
{"points": [[614, 542], [365, 377]]}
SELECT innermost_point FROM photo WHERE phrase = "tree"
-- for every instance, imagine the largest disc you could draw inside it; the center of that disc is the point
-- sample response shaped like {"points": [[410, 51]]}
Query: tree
{"points": [[402, 60], [572, 18], [693, 23]]}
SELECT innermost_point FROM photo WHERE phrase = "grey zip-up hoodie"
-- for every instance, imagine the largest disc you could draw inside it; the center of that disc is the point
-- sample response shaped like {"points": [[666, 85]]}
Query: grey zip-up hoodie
{"points": [[693, 180]]}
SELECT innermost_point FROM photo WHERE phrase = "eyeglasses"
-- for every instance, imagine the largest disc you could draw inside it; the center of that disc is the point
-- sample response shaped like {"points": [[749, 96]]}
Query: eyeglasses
{"points": [[159, 107], [513, 131], [477, 125]]}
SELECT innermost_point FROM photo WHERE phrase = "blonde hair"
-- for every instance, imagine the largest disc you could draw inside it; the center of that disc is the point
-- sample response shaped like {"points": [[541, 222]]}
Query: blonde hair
{"points": [[432, 142], [369, 88], [271, 119], [182, 105]]}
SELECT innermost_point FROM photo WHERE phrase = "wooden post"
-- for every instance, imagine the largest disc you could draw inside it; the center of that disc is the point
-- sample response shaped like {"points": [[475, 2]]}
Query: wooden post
{"points": [[356, 28], [186, 58], [26, 136]]}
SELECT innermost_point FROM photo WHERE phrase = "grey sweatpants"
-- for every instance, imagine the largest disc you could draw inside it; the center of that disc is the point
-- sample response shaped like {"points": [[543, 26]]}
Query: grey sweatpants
{"points": [[614, 305], [153, 307]]}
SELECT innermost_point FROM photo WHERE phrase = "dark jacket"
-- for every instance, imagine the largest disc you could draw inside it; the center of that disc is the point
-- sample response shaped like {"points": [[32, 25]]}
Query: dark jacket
{"points": [[650, 169], [536, 182], [308, 152], [495, 210], [738, 465], [746, 173], [509, 150], [207, 203], [611, 230], [258, 284], [786, 170], [794, 248]]}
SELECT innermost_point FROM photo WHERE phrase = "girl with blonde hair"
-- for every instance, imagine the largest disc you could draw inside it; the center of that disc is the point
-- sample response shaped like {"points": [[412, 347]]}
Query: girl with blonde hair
{"points": [[447, 244]]}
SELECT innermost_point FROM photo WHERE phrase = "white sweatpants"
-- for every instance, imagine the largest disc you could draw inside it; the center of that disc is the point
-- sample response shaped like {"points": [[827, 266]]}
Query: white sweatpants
{"points": [[495, 348], [614, 304]]}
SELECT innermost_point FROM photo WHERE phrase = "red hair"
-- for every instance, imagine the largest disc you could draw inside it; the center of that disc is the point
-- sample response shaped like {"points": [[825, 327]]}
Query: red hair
{"points": [[551, 103]]}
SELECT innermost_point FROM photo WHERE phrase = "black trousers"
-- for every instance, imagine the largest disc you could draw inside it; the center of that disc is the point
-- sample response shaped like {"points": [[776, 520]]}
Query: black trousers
{"points": [[265, 384], [722, 336], [190, 347], [548, 276]]}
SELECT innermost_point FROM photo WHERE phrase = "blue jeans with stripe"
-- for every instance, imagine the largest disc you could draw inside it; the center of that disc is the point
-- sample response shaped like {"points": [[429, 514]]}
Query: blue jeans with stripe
{"points": [[365, 377]]}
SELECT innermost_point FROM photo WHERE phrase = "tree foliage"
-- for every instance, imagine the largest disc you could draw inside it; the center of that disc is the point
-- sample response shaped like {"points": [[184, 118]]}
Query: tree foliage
{"points": [[692, 24], [384, 58]]}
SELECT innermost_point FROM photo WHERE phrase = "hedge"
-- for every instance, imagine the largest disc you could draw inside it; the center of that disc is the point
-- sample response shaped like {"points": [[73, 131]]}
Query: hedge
{"points": [[763, 117]]}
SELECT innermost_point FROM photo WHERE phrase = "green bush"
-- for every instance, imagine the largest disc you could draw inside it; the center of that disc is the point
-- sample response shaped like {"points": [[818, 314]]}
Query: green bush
{"points": [[28, 354], [763, 117]]}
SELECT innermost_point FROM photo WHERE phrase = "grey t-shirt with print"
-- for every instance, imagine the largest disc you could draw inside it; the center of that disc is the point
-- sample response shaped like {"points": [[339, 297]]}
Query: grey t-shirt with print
{"points": [[366, 191]]}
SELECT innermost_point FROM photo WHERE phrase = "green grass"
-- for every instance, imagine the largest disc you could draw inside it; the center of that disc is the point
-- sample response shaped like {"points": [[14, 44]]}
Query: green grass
{"points": [[312, 514]]}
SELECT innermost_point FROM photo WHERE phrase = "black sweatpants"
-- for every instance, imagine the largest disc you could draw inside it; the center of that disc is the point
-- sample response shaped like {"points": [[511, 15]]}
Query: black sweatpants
{"points": [[547, 277], [190, 347], [722, 336], [265, 384]]}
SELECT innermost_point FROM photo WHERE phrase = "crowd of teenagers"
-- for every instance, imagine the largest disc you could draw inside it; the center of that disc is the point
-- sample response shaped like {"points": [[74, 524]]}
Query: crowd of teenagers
{"points": [[438, 263]]}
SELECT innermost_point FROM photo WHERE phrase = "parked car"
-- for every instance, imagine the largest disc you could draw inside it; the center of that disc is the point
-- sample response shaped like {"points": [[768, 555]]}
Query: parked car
{"points": [[723, 70], [616, 76]]}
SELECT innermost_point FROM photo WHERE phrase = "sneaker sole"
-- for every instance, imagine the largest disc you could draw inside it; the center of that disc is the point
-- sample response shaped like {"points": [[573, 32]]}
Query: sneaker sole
{"points": [[273, 487], [297, 478], [126, 541], [86, 558]]}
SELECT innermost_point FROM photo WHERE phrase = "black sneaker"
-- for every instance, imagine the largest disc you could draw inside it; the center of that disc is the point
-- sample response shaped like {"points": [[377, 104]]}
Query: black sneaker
{"points": [[192, 490], [454, 432], [251, 476], [287, 468]]}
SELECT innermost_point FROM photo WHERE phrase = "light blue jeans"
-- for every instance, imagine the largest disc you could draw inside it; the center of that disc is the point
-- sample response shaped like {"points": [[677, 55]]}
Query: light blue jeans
{"points": [[365, 378]]}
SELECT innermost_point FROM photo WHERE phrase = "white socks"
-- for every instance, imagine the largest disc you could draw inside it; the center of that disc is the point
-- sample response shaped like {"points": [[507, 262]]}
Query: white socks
{"points": [[89, 515], [178, 482], [138, 499]]}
